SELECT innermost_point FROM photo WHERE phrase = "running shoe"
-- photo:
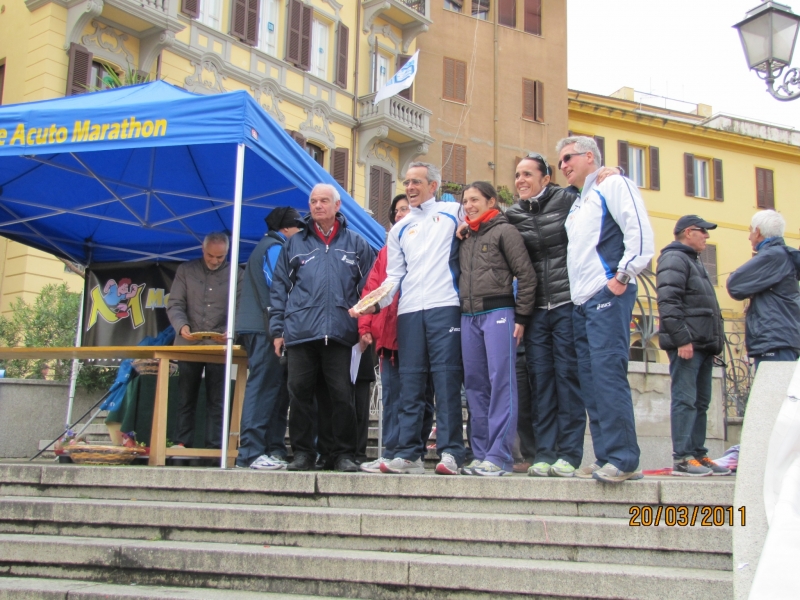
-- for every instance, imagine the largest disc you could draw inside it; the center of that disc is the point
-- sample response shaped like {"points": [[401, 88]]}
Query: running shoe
{"points": [[448, 465], [562, 468], [403, 466], [540, 469], [373, 466], [488, 469]]}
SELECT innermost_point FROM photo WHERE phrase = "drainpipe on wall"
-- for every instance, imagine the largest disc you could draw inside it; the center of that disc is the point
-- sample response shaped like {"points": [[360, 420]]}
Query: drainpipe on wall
{"points": [[354, 130], [496, 87]]}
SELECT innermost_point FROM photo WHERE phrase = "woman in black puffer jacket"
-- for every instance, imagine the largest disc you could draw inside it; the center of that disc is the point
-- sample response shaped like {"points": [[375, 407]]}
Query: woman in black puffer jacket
{"points": [[559, 417]]}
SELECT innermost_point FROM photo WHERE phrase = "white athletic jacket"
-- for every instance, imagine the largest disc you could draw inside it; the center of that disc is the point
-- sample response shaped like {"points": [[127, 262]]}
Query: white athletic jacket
{"points": [[608, 231], [423, 257]]}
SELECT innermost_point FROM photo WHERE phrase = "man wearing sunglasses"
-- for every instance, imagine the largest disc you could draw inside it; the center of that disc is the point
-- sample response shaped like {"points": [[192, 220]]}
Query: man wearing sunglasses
{"points": [[610, 242], [690, 330]]}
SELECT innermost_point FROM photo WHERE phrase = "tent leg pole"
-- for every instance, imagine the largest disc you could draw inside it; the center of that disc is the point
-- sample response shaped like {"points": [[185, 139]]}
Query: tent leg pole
{"points": [[73, 377], [231, 329]]}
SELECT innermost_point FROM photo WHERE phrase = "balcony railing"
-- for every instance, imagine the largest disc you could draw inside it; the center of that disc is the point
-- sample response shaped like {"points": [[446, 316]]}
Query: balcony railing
{"points": [[402, 114], [417, 5], [159, 5]]}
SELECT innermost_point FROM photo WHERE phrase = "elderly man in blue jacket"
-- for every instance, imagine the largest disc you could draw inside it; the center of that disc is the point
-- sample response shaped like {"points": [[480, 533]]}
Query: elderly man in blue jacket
{"points": [[769, 280], [319, 276]]}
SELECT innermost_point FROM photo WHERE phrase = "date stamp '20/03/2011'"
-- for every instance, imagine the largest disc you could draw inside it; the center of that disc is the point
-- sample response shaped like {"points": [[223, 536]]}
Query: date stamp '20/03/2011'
{"points": [[683, 516]]}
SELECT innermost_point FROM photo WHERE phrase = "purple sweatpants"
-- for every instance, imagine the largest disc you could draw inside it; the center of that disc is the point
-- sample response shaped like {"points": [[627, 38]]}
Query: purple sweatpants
{"points": [[489, 352]]}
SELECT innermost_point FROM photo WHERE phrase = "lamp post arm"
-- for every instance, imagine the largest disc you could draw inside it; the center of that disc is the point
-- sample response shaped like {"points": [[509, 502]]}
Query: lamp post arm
{"points": [[790, 79]]}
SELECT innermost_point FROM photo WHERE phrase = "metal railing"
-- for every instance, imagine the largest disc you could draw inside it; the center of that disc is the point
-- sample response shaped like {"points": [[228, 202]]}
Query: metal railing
{"points": [[417, 5]]}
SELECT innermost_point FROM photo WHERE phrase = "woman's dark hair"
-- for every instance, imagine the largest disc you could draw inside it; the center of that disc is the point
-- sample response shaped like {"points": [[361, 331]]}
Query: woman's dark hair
{"points": [[540, 161], [485, 188], [393, 209]]}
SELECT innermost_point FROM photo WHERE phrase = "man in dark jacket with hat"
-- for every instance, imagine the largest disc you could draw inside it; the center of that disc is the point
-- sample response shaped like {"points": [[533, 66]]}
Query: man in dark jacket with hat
{"points": [[266, 398], [319, 277], [769, 280], [690, 330]]}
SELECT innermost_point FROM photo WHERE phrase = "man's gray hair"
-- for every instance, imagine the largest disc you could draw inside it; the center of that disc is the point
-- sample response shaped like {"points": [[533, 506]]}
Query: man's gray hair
{"points": [[769, 223], [434, 174], [326, 186], [217, 237], [582, 144]]}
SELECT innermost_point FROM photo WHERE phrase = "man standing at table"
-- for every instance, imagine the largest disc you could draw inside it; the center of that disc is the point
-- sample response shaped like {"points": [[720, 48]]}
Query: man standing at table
{"points": [[320, 274], [610, 243], [423, 255], [266, 398], [198, 302]]}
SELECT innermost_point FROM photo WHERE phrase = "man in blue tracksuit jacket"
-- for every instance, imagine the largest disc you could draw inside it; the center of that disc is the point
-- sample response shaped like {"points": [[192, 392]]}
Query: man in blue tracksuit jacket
{"points": [[610, 243], [266, 398], [423, 266], [320, 275]]}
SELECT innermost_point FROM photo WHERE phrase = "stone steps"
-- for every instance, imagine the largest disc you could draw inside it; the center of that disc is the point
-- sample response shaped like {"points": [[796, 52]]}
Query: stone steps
{"points": [[356, 535], [357, 573]]}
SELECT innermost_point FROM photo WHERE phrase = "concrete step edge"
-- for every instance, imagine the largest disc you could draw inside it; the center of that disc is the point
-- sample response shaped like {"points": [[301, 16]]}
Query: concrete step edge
{"points": [[376, 568], [64, 589], [459, 527], [312, 483]]}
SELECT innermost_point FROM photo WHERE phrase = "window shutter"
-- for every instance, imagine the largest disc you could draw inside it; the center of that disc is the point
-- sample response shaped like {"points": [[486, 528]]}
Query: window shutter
{"points": [[688, 173], [655, 169], [386, 198], [460, 81], [460, 165], [342, 37], [294, 26], [448, 160], [401, 60], [622, 156], [539, 108], [449, 81], [375, 192], [239, 18], [339, 165], [528, 99], [601, 145], [718, 192], [2, 80], [709, 259], [765, 189], [252, 22], [79, 72], [533, 17], [305, 38], [507, 10], [191, 8]]}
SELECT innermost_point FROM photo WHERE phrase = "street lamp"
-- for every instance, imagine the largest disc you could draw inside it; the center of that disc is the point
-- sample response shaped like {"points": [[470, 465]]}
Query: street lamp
{"points": [[768, 35]]}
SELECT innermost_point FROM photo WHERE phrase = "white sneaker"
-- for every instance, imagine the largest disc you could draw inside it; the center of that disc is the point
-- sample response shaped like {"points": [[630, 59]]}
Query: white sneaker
{"points": [[469, 469], [373, 466], [448, 465], [488, 469], [562, 468], [403, 466], [268, 463]]}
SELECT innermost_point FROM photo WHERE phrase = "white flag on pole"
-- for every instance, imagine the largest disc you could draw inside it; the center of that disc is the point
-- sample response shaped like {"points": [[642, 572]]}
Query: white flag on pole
{"points": [[402, 80]]}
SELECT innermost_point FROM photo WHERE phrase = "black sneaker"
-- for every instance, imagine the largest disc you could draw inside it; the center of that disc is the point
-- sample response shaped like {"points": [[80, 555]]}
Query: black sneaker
{"points": [[690, 468]]}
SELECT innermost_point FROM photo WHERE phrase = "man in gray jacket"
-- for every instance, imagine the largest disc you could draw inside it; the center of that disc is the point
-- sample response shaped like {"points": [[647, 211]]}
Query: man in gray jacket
{"points": [[198, 302], [769, 280]]}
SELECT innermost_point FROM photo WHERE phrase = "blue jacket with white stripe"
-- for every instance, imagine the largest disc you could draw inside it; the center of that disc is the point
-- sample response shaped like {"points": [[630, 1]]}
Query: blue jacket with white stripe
{"points": [[609, 231]]}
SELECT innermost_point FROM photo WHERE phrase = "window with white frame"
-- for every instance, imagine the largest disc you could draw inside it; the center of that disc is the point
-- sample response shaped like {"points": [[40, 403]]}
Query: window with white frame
{"points": [[382, 71], [210, 11], [319, 49], [268, 27], [701, 177], [636, 165]]}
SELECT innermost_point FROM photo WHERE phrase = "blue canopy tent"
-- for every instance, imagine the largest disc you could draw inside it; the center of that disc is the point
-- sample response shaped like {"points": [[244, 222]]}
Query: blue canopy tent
{"points": [[145, 172]]}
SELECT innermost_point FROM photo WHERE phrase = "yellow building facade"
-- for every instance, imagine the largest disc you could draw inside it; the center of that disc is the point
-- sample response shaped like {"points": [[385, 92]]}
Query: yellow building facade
{"points": [[313, 65], [687, 160]]}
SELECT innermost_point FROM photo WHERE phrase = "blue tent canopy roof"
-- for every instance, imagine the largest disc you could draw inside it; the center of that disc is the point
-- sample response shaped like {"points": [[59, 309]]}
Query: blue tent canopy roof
{"points": [[145, 172]]}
